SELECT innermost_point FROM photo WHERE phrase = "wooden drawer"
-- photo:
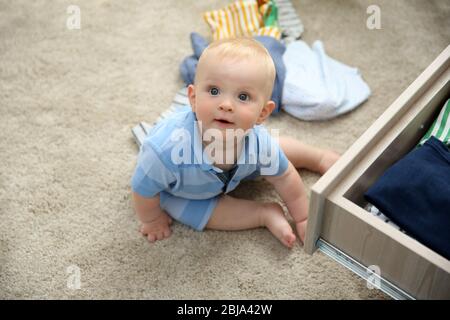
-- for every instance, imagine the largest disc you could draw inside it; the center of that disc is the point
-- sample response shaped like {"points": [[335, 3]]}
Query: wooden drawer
{"points": [[338, 223]]}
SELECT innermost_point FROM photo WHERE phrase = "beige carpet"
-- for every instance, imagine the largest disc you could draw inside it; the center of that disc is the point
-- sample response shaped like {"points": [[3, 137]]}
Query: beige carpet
{"points": [[68, 99]]}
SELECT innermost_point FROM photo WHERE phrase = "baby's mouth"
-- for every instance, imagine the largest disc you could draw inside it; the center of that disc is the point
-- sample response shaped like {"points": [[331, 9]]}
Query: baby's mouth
{"points": [[223, 121]]}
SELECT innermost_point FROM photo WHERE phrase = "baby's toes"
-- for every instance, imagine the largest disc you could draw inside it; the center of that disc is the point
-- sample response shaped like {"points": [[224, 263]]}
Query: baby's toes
{"points": [[160, 235], [151, 237], [332, 158], [167, 233], [289, 239]]}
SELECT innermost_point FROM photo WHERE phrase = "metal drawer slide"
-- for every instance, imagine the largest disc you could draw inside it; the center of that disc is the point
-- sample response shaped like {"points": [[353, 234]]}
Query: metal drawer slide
{"points": [[364, 272]]}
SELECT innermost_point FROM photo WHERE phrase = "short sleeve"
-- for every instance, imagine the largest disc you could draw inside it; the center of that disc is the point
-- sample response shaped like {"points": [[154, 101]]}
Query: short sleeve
{"points": [[151, 176], [271, 159]]}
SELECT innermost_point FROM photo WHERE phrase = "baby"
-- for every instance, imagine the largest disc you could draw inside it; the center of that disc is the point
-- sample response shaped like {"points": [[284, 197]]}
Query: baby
{"points": [[190, 161]]}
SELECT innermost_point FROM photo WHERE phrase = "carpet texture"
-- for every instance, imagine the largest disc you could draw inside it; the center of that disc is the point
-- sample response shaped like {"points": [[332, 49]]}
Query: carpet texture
{"points": [[68, 100]]}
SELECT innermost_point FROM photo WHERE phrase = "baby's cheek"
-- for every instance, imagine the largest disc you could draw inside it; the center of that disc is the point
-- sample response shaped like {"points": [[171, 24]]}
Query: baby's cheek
{"points": [[204, 103], [204, 114], [249, 116]]}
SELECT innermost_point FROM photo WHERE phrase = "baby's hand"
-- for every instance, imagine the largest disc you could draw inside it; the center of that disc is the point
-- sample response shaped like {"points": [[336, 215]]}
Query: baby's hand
{"points": [[301, 229], [158, 228]]}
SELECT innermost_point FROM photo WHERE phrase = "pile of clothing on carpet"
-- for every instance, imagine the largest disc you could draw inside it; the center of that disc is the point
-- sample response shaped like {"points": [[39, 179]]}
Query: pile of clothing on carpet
{"points": [[309, 84]]}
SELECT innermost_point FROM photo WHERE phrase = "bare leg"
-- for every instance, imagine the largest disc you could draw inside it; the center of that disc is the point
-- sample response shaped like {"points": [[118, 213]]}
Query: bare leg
{"points": [[305, 156], [240, 214]]}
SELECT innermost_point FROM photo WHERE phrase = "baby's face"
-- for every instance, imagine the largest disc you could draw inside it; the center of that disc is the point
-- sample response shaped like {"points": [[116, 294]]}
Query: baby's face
{"points": [[229, 94]]}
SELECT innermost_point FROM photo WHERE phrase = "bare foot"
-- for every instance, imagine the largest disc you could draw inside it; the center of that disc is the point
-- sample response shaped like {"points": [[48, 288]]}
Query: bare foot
{"points": [[274, 219], [301, 229], [158, 228], [327, 160]]}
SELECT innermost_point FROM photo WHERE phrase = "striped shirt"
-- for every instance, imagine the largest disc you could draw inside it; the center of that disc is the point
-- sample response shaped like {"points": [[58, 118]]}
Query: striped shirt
{"points": [[159, 168], [241, 18], [440, 129]]}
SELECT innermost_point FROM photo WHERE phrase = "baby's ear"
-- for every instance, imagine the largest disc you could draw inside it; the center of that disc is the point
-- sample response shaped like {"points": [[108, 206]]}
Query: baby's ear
{"points": [[191, 96], [266, 111]]}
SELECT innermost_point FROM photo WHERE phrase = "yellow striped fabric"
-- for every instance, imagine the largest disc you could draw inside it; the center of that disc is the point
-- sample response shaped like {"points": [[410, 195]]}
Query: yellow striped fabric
{"points": [[263, 6], [241, 18]]}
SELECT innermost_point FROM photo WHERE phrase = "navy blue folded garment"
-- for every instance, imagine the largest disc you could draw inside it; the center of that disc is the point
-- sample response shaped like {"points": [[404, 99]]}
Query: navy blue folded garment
{"points": [[415, 194], [276, 49]]}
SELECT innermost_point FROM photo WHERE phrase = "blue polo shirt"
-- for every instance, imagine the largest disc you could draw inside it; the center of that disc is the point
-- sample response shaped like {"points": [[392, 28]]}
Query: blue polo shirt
{"points": [[171, 159]]}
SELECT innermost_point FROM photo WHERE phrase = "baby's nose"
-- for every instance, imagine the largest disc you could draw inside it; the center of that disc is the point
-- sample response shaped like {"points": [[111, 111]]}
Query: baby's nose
{"points": [[226, 106]]}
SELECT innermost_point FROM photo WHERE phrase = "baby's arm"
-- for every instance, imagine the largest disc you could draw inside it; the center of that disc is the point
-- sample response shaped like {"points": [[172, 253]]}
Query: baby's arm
{"points": [[292, 191], [155, 221]]}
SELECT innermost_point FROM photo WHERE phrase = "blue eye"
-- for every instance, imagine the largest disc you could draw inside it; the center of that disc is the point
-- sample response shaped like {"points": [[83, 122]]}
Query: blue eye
{"points": [[244, 97], [214, 91]]}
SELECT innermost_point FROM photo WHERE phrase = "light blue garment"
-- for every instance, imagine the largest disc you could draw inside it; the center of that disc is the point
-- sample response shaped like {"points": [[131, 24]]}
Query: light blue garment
{"points": [[276, 50], [318, 87], [189, 185]]}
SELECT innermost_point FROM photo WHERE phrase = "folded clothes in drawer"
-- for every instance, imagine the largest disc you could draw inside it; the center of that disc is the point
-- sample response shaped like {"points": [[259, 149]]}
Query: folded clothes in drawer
{"points": [[415, 194]]}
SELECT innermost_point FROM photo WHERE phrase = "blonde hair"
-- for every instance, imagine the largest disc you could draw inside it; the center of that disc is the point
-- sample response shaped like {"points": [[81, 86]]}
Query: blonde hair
{"points": [[239, 49]]}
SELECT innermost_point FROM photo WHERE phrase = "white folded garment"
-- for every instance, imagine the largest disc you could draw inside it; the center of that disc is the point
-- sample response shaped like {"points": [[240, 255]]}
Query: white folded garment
{"points": [[318, 87]]}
